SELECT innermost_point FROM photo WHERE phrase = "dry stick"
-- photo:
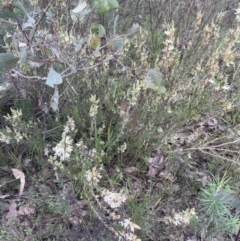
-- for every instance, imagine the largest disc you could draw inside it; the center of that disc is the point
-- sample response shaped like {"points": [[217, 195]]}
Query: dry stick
{"points": [[238, 235], [220, 157], [50, 3], [17, 73], [19, 25]]}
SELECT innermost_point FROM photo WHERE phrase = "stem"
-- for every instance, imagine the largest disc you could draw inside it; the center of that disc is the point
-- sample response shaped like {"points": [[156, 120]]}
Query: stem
{"points": [[238, 235], [48, 6]]}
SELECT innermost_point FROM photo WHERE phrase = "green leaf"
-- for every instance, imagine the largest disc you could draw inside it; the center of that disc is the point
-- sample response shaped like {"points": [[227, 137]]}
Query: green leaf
{"points": [[101, 6], [53, 78], [154, 81], [113, 4], [7, 61], [98, 29], [117, 43], [104, 6], [31, 21], [7, 13], [19, 6]]}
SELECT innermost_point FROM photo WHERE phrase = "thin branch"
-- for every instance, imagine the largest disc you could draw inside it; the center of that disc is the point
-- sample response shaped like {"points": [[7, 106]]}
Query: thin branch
{"points": [[89, 67], [27, 77], [50, 3], [228, 143], [20, 27], [220, 157]]}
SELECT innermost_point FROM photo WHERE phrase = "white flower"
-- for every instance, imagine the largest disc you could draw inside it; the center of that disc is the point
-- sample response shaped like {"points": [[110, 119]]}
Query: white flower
{"points": [[171, 47], [128, 224], [237, 14], [132, 237], [64, 148], [128, 237], [4, 138], [52, 159], [114, 200], [167, 33], [46, 151], [182, 217], [93, 176], [122, 148], [70, 126]]}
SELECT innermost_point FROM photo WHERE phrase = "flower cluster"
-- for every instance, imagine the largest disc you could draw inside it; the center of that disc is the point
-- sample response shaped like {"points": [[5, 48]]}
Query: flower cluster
{"points": [[55, 163], [122, 148], [93, 176], [181, 218], [113, 199], [94, 106], [64, 148], [129, 237], [237, 13], [19, 129], [170, 54], [135, 92], [130, 227]]}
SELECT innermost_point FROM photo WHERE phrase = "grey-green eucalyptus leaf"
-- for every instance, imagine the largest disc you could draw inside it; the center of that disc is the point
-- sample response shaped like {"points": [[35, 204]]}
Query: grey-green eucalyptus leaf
{"points": [[154, 81], [79, 7], [53, 78]]}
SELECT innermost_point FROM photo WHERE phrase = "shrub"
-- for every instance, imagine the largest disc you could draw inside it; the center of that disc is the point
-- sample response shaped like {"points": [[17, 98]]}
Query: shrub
{"points": [[95, 94]]}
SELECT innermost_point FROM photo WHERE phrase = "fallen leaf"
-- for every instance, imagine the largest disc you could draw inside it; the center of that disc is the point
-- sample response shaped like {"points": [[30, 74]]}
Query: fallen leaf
{"points": [[25, 210], [137, 185], [131, 169], [166, 175], [123, 107], [157, 163], [18, 174], [152, 171], [135, 120], [12, 213]]}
